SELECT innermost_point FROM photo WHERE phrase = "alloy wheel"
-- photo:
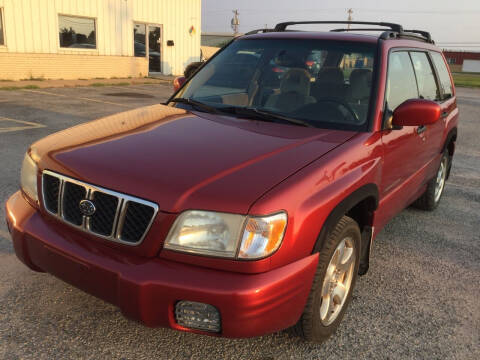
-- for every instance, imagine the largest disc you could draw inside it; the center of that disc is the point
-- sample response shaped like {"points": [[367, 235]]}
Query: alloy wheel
{"points": [[337, 281], [440, 182]]}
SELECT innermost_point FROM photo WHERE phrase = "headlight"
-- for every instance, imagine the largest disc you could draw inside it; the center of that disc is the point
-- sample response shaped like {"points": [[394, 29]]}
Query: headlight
{"points": [[226, 235], [28, 177]]}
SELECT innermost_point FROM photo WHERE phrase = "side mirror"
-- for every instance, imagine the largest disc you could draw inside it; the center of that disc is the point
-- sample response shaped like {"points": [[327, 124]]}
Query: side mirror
{"points": [[416, 112], [178, 82]]}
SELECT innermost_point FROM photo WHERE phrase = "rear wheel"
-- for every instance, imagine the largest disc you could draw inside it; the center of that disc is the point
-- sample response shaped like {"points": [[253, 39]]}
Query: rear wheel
{"points": [[431, 197], [333, 282]]}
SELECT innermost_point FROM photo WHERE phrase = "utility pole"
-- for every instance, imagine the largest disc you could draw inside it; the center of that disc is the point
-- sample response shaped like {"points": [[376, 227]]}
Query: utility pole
{"points": [[235, 22], [350, 18]]}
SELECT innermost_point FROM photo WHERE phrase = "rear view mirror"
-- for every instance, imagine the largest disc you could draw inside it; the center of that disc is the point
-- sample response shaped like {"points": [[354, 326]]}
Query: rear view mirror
{"points": [[178, 82], [416, 112]]}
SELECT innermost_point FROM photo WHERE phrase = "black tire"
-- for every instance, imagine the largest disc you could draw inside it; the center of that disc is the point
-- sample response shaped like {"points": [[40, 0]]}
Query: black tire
{"points": [[310, 325], [429, 201]]}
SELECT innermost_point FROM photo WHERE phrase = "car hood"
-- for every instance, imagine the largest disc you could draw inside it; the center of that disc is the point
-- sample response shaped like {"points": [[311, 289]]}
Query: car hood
{"points": [[185, 160]]}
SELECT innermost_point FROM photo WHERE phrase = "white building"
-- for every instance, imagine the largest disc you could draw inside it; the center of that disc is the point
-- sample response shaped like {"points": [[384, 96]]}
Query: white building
{"points": [[74, 39]]}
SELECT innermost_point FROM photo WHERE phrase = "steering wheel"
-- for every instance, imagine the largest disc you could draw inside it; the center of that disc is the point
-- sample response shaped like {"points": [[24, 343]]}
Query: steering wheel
{"points": [[342, 104]]}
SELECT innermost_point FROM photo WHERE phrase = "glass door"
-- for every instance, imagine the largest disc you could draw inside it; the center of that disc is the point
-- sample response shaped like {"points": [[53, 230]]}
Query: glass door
{"points": [[154, 47]]}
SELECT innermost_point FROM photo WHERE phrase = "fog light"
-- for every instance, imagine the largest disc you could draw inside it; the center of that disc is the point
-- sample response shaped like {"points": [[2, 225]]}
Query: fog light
{"points": [[195, 315]]}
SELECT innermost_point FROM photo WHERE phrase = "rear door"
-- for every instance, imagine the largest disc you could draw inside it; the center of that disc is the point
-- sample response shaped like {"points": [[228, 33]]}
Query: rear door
{"points": [[428, 89], [447, 101]]}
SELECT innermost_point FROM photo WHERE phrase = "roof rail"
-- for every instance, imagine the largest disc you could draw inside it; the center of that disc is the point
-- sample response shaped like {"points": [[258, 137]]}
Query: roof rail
{"points": [[359, 29], [390, 30], [251, 32], [425, 34], [392, 26]]}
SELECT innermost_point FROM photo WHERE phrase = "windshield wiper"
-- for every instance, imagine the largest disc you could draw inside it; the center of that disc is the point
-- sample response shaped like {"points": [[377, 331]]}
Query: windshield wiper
{"points": [[263, 114], [242, 111], [196, 104]]}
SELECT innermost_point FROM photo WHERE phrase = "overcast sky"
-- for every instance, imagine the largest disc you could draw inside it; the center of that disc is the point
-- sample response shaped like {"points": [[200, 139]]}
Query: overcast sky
{"points": [[453, 24]]}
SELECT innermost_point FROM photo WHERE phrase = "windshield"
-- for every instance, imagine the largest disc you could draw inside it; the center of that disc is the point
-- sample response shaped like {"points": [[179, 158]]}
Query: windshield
{"points": [[325, 83]]}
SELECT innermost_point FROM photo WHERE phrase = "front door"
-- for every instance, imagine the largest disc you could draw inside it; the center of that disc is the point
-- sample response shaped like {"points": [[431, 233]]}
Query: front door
{"points": [[154, 47], [404, 149]]}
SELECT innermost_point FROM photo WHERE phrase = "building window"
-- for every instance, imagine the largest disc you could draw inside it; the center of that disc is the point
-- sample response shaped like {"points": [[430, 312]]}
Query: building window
{"points": [[2, 37], [77, 32], [451, 60], [139, 40]]}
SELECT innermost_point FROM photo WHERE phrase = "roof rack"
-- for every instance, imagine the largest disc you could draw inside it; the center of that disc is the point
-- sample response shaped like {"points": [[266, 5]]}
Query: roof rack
{"points": [[359, 29], [425, 34], [390, 30], [252, 32], [392, 26]]}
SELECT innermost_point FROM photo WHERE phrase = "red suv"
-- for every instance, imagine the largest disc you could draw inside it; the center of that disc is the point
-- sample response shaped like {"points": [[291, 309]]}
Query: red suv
{"points": [[248, 202]]}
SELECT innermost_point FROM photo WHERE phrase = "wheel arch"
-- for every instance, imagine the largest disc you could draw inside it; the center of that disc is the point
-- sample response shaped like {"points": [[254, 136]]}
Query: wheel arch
{"points": [[450, 142], [449, 145], [360, 205]]}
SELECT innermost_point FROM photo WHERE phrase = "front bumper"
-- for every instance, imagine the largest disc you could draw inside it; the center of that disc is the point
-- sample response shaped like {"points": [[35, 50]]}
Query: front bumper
{"points": [[147, 289]]}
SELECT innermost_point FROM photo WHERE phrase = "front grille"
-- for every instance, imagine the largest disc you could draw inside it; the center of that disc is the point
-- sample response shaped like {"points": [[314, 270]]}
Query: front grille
{"points": [[104, 218], [72, 195], [136, 221], [116, 217]]}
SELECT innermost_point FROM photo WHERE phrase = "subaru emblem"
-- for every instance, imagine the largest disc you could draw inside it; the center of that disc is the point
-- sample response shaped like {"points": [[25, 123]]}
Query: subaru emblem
{"points": [[87, 207]]}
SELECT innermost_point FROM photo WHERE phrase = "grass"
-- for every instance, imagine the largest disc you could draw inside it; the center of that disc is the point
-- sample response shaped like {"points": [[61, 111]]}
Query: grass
{"points": [[13, 88], [466, 79]]}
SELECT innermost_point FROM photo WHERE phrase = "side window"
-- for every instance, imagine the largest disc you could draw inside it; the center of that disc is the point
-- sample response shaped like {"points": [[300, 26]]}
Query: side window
{"points": [[401, 84], [443, 74], [427, 86]]}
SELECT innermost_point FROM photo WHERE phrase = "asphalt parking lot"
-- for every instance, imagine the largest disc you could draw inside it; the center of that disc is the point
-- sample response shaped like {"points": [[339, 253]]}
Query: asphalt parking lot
{"points": [[420, 298]]}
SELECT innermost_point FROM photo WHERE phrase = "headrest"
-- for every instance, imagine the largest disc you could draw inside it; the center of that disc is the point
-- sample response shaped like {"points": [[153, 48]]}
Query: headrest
{"points": [[331, 75], [296, 80], [286, 59], [360, 83]]}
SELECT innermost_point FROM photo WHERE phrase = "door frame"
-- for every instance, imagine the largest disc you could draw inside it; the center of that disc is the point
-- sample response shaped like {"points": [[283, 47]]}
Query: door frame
{"points": [[147, 47]]}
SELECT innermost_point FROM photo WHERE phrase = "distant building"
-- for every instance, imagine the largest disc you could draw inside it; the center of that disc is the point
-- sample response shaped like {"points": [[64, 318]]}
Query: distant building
{"points": [[71, 39], [466, 61]]}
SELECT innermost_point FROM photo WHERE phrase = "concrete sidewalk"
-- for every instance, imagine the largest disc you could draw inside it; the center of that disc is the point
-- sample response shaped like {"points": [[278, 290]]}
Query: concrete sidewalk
{"points": [[40, 84]]}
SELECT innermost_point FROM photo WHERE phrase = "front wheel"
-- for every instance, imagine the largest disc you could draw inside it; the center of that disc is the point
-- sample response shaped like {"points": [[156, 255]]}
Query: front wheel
{"points": [[333, 282]]}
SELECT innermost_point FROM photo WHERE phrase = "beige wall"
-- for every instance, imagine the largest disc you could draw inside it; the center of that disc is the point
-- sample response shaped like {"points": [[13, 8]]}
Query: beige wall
{"points": [[20, 66], [31, 27], [455, 68]]}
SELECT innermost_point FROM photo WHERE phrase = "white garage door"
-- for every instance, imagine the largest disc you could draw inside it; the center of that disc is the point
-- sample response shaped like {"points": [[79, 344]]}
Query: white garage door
{"points": [[471, 65]]}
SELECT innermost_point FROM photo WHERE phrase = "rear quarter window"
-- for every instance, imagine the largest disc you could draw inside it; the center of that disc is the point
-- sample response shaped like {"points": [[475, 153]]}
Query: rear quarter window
{"points": [[443, 74]]}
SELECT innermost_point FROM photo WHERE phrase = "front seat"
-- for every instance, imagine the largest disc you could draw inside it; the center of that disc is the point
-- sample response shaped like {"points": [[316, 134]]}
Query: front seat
{"points": [[294, 91], [360, 85], [329, 84]]}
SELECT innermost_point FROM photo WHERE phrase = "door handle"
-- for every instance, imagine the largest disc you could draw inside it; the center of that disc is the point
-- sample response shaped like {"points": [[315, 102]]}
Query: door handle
{"points": [[421, 129]]}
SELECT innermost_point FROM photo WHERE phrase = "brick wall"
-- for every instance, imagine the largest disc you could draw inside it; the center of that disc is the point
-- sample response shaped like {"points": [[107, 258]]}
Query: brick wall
{"points": [[18, 66]]}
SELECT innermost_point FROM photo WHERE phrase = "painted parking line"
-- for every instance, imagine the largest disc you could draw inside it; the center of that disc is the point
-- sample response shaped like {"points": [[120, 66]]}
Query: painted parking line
{"points": [[77, 98], [24, 125]]}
